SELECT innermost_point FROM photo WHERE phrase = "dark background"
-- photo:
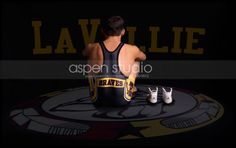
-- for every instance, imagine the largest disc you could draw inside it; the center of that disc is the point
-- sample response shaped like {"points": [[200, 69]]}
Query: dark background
{"points": [[17, 44], [215, 16]]}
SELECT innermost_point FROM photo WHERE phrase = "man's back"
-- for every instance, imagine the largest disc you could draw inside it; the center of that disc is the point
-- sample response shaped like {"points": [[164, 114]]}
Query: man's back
{"points": [[115, 84], [127, 57]]}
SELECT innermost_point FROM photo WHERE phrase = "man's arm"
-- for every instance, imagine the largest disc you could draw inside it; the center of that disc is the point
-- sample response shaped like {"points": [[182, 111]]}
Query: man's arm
{"points": [[140, 56], [86, 50]]}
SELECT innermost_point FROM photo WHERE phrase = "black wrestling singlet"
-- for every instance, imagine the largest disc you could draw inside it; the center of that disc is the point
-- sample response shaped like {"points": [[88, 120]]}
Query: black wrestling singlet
{"points": [[110, 87]]}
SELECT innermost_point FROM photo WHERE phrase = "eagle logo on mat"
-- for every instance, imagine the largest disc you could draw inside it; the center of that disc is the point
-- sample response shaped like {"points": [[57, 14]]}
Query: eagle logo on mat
{"points": [[70, 113]]}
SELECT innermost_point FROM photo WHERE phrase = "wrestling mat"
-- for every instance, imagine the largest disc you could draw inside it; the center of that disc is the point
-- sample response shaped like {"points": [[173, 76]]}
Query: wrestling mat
{"points": [[69, 113]]}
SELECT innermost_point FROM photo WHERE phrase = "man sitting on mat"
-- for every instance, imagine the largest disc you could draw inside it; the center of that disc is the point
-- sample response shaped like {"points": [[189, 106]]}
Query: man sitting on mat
{"points": [[114, 83]]}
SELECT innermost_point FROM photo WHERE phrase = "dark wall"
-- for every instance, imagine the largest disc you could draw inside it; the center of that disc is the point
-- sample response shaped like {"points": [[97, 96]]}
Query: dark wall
{"points": [[212, 16]]}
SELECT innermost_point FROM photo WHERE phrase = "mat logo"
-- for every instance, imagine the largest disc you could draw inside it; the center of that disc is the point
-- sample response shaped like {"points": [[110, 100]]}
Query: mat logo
{"points": [[69, 113]]}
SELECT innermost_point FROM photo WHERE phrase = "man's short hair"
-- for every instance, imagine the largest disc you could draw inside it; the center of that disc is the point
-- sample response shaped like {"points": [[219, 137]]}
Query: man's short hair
{"points": [[113, 26]]}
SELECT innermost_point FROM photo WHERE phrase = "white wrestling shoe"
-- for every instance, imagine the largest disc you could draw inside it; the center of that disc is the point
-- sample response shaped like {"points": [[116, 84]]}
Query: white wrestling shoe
{"points": [[167, 96], [152, 98]]}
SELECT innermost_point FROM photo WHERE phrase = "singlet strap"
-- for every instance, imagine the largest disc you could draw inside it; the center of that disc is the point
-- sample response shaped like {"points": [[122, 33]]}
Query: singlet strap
{"points": [[105, 49]]}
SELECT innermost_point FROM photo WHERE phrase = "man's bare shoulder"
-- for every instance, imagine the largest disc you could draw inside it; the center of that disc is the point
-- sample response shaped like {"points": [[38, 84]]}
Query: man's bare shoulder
{"points": [[131, 47], [92, 45]]}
